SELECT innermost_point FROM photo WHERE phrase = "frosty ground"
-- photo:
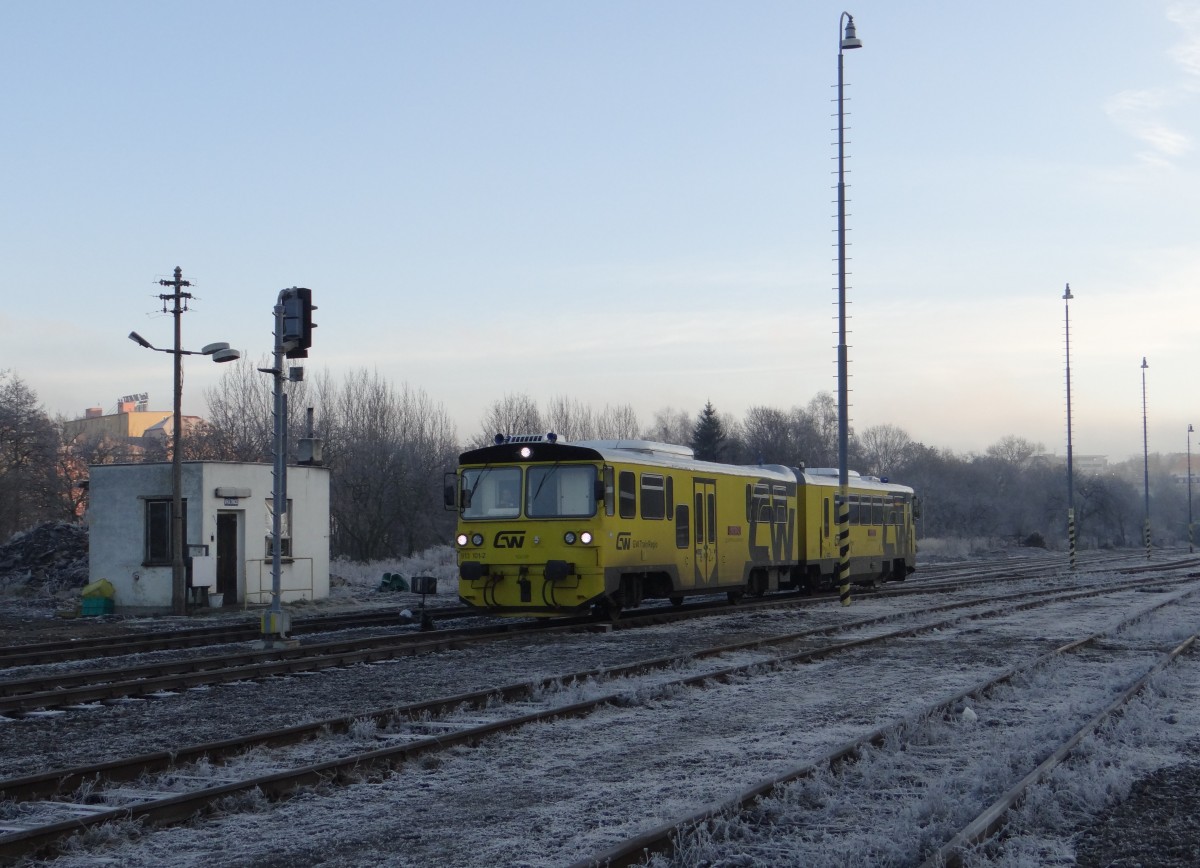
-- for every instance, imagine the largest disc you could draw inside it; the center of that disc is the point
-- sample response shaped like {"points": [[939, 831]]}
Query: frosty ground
{"points": [[556, 792]]}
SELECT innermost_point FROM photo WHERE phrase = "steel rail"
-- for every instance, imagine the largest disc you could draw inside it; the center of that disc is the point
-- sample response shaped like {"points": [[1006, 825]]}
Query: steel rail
{"points": [[30, 694], [177, 807], [662, 838], [138, 642], [991, 820], [65, 780], [73, 688]]}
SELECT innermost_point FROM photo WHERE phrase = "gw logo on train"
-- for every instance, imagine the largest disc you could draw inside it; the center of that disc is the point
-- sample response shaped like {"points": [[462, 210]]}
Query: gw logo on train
{"points": [[624, 542], [510, 539]]}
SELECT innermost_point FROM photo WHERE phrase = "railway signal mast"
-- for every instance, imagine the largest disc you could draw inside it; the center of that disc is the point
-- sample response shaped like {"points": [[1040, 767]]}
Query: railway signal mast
{"points": [[293, 337]]}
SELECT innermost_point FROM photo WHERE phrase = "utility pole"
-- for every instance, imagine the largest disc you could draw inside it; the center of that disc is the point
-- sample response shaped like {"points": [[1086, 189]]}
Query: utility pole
{"points": [[847, 39], [1070, 455], [178, 299]]}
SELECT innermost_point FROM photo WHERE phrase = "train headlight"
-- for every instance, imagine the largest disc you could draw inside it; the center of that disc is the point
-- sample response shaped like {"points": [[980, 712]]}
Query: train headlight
{"points": [[477, 539], [569, 537], [586, 537], [526, 451], [461, 539]]}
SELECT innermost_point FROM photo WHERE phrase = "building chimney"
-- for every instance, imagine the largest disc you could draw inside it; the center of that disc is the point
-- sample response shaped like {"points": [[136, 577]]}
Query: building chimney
{"points": [[93, 412]]}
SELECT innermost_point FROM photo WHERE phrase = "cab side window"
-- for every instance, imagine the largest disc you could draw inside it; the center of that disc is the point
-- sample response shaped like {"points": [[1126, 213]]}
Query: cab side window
{"points": [[627, 494]]}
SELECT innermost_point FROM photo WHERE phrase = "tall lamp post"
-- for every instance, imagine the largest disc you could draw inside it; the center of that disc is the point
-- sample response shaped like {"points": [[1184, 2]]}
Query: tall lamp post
{"points": [[1070, 457], [1145, 461], [219, 352], [1191, 548], [847, 39]]}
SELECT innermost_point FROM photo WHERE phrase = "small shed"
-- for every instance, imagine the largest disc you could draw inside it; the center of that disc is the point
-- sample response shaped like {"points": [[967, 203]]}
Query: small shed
{"points": [[227, 512]]}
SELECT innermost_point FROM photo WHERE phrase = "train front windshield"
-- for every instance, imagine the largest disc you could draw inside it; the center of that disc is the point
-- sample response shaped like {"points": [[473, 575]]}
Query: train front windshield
{"points": [[550, 491]]}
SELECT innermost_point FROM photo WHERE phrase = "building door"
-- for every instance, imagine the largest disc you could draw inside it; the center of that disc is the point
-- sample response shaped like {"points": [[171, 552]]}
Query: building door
{"points": [[227, 555], [704, 525]]}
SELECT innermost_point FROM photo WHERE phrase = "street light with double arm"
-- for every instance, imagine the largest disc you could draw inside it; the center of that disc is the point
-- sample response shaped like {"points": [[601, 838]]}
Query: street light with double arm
{"points": [[218, 352]]}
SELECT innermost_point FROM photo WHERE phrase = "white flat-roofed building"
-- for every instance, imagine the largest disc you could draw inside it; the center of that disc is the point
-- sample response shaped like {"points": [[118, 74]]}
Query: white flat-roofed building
{"points": [[227, 532]]}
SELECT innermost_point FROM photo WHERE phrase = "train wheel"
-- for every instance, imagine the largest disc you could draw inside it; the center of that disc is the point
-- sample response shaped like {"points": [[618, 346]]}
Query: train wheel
{"points": [[734, 597], [677, 601], [607, 609]]}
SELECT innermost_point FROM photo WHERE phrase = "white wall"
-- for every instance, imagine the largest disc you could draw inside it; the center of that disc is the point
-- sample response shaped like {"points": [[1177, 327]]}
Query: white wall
{"points": [[116, 515]]}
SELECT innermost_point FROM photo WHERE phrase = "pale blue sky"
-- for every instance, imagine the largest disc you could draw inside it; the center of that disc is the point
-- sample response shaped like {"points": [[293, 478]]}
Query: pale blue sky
{"points": [[618, 202]]}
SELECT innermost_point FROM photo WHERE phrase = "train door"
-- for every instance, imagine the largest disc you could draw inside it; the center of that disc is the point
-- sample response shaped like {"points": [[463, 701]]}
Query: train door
{"points": [[704, 525], [903, 530], [828, 522]]}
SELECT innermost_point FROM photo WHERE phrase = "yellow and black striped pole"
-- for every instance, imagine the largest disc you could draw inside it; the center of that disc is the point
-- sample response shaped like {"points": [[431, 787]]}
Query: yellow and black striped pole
{"points": [[843, 540], [1071, 535]]}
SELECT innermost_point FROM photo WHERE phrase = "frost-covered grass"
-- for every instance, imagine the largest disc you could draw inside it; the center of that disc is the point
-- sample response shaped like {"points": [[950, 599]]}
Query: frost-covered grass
{"points": [[931, 549], [439, 562]]}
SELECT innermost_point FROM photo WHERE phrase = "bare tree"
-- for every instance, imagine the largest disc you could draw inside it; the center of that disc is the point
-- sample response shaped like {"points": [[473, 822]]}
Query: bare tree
{"points": [[817, 431], [386, 450], [569, 419], [670, 426], [1014, 450], [240, 423], [515, 413], [617, 423], [29, 486], [884, 449], [76, 454], [769, 436]]}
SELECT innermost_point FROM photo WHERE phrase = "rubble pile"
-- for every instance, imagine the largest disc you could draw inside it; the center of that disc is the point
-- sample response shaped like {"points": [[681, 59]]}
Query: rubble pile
{"points": [[50, 558]]}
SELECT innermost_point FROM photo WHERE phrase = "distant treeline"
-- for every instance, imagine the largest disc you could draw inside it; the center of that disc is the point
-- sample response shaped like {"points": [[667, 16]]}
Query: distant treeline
{"points": [[387, 448]]}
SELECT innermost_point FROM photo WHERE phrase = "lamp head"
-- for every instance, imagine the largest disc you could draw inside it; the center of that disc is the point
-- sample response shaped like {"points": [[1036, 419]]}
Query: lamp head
{"points": [[141, 341], [1067, 295], [850, 40]]}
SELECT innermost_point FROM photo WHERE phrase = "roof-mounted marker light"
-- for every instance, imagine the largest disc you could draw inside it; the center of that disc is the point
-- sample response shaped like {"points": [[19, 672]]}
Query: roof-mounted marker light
{"points": [[498, 439], [552, 437]]}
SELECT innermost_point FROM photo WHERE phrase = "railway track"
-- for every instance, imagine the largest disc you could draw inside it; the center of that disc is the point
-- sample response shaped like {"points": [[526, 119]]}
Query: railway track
{"points": [[142, 642], [172, 786], [689, 840], [55, 688]]}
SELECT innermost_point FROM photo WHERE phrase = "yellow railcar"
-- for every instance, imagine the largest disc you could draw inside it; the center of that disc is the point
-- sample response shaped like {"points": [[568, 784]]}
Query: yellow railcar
{"points": [[547, 527]]}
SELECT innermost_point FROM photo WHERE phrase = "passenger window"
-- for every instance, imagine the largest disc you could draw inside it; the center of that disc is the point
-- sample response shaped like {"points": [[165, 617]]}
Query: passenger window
{"points": [[762, 502], [627, 483], [610, 492], [654, 502], [670, 497], [682, 531]]}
